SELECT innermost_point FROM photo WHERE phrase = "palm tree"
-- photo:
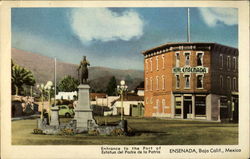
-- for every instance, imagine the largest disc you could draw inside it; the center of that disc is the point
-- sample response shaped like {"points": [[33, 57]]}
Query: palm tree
{"points": [[20, 77]]}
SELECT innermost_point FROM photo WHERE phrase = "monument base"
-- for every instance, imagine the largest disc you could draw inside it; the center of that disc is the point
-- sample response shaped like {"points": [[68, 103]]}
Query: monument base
{"points": [[83, 113]]}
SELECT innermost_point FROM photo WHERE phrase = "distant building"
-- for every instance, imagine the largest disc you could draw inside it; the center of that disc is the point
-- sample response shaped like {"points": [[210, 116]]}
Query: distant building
{"points": [[140, 91], [128, 101], [66, 95], [191, 80]]}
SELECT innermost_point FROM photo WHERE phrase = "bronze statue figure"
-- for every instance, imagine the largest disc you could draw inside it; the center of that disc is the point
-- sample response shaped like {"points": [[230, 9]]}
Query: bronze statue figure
{"points": [[84, 70]]}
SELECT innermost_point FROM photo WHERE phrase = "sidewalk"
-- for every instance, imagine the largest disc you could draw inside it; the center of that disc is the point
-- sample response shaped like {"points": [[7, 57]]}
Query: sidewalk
{"points": [[26, 117]]}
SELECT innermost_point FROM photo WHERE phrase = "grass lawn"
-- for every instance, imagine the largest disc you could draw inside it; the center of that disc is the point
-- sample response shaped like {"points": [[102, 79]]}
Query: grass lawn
{"points": [[148, 131]]}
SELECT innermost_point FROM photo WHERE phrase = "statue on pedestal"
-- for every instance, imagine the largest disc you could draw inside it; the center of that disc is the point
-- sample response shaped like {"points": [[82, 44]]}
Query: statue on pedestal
{"points": [[83, 67]]}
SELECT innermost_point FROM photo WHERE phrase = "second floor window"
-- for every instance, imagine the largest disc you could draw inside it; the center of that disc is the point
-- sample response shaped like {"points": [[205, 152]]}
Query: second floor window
{"points": [[151, 83], [157, 63], [229, 83], [187, 58], [221, 61], [151, 65], [199, 59], [228, 62], [157, 82], [234, 84], [163, 61], [177, 61], [163, 82], [146, 61], [234, 63], [221, 81]]}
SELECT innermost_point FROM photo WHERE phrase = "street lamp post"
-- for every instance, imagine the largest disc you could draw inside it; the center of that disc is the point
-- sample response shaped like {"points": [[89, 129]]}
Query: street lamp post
{"points": [[121, 89]]}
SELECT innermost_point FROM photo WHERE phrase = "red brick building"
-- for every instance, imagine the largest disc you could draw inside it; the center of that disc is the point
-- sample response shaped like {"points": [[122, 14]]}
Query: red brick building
{"points": [[191, 80]]}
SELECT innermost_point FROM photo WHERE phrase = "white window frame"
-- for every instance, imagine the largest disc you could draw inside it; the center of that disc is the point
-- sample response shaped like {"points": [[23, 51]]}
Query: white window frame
{"points": [[189, 54], [184, 75], [157, 63], [163, 82], [151, 64], [157, 82], [202, 81], [176, 81], [163, 61], [200, 52], [177, 61], [146, 61]]}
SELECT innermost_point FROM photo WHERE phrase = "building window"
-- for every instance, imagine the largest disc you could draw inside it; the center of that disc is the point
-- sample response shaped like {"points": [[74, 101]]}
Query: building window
{"points": [[146, 84], [187, 58], [163, 82], [163, 61], [199, 57], [234, 84], [178, 106], [151, 64], [151, 83], [221, 61], [157, 106], [177, 61], [200, 105], [163, 105], [146, 65], [147, 100], [234, 63], [228, 62], [187, 81], [157, 63], [228, 83], [199, 81], [177, 81], [221, 81], [157, 82], [151, 100]]}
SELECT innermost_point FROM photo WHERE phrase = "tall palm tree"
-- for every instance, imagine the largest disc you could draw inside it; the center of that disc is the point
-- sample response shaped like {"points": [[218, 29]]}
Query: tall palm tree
{"points": [[20, 77]]}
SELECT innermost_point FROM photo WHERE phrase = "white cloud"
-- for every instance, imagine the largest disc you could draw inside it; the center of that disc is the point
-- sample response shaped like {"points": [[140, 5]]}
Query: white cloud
{"points": [[102, 24], [212, 16]]}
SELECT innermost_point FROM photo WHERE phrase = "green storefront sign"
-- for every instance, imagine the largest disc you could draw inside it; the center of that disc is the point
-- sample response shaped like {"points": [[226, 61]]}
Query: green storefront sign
{"points": [[190, 70]]}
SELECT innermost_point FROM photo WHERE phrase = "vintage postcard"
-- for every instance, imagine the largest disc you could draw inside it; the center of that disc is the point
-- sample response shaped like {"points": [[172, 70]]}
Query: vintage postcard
{"points": [[125, 79]]}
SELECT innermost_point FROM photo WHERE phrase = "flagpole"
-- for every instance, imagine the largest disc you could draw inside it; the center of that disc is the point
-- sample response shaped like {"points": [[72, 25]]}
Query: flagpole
{"points": [[188, 25], [55, 82]]}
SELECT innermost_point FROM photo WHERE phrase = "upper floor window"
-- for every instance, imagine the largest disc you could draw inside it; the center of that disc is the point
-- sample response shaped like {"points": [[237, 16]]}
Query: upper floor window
{"points": [[234, 84], [187, 81], [234, 63], [221, 81], [228, 82], [199, 57], [221, 61], [151, 83], [146, 100], [151, 64], [163, 61], [228, 62], [177, 81], [157, 63], [199, 81], [177, 61], [163, 82], [146, 62], [157, 82], [163, 105], [146, 84], [187, 58]]}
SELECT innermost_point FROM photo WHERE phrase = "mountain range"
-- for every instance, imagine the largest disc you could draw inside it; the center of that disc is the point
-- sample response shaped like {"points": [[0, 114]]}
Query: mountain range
{"points": [[42, 68]]}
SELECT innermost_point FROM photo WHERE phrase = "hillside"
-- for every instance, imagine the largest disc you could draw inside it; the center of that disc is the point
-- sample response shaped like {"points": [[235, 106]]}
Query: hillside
{"points": [[43, 70]]}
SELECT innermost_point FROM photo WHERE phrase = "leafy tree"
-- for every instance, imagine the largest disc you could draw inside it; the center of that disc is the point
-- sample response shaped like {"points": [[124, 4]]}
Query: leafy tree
{"points": [[20, 76], [68, 84], [111, 88]]}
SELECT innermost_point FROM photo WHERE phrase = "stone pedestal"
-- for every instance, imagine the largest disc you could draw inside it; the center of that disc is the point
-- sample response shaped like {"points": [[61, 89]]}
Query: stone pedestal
{"points": [[54, 116], [83, 112]]}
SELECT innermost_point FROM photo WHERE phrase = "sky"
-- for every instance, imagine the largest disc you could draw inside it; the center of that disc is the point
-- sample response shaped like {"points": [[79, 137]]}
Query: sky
{"points": [[115, 37]]}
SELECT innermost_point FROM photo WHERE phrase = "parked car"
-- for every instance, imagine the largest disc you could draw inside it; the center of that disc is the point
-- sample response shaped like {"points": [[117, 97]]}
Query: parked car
{"points": [[64, 110]]}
